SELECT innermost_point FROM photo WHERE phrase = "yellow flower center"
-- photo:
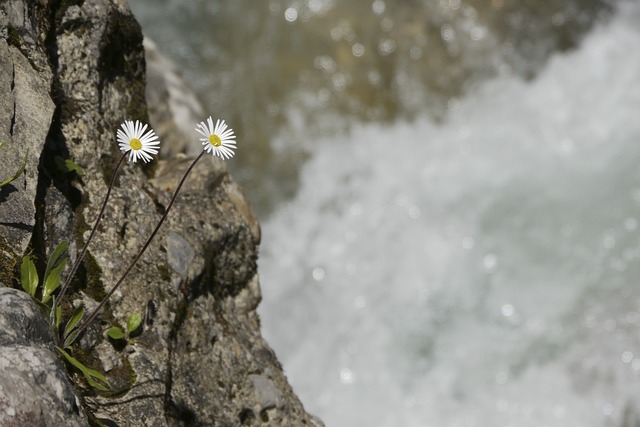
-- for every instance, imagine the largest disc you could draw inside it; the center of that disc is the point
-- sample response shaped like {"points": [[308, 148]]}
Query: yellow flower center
{"points": [[215, 140], [135, 144]]}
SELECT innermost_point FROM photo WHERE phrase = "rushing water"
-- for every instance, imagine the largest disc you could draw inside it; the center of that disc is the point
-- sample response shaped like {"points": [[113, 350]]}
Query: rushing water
{"points": [[471, 263]]}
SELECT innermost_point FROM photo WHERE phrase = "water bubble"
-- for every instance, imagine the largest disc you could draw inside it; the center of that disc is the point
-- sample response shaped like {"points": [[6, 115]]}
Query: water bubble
{"points": [[502, 378], [339, 81], [626, 357], [291, 14], [478, 33], [489, 262], [590, 321], [508, 310], [386, 47], [386, 24], [318, 274], [360, 301], [608, 408], [468, 242], [414, 212], [315, 6], [447, 33], [630, 224], [325, 63], [374, 77], [346, 376], [336, 33], [608, 240], [378, 7], [357, 50], [415, 52]]}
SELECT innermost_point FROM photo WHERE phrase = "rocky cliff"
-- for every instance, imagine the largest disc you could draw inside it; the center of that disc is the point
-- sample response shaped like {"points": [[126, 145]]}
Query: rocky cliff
{"points": [[70, 72]]}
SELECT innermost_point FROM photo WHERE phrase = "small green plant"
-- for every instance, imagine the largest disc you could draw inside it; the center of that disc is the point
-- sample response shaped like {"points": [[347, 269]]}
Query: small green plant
{"points": [[18, 172], [29, 274], [133, 323], [47, 301], [93, 377], [70, 332]]}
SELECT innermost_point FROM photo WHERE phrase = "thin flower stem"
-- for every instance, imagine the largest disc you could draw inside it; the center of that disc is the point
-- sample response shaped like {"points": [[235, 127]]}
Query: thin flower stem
{"points": [[95, 312], [93, 230]]}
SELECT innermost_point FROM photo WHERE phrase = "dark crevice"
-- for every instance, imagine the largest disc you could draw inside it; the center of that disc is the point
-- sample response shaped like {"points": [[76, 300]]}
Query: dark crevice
{"points": [[18, 225], [13, 112], [13, 77], [13, 119]]}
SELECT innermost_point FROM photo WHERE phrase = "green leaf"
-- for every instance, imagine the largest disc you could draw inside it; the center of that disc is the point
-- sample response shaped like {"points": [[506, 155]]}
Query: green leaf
{"points": [[73, 321], [115, 333], [58, 313], [56, 264], [133, 322], [68, 165], [19, 171], [93, 377], [29, 276], [70, 339], [72, 167]]}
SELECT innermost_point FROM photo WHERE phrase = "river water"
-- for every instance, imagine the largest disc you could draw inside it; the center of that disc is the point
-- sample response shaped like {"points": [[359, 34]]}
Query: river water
{"points": [[449, 197]]}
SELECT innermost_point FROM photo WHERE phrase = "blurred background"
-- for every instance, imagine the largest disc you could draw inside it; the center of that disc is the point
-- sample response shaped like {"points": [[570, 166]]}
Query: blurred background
{"points": [[449, 193]]}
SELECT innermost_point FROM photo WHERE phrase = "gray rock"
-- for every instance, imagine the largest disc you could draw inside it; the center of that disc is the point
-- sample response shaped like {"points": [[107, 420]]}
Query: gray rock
{"points": [[34, 386], [200, 358], [27, 111], [21, 322]]}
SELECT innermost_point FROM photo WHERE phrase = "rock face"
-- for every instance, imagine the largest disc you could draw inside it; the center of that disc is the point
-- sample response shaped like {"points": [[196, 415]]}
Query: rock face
{"points": [[73, 71], [26, 114], [34, 388]]}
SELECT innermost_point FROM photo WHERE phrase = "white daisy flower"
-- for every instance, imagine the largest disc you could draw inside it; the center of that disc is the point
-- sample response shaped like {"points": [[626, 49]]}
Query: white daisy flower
{"points": [[138, 144], [217, 140]]}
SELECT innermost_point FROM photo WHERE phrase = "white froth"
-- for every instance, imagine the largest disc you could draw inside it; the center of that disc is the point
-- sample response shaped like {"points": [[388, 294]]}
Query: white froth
{"points": [[479, 272]]}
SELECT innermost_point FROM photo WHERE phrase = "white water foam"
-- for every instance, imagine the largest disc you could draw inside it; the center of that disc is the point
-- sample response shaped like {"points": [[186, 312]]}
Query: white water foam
{"points": [[481, 272]]}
